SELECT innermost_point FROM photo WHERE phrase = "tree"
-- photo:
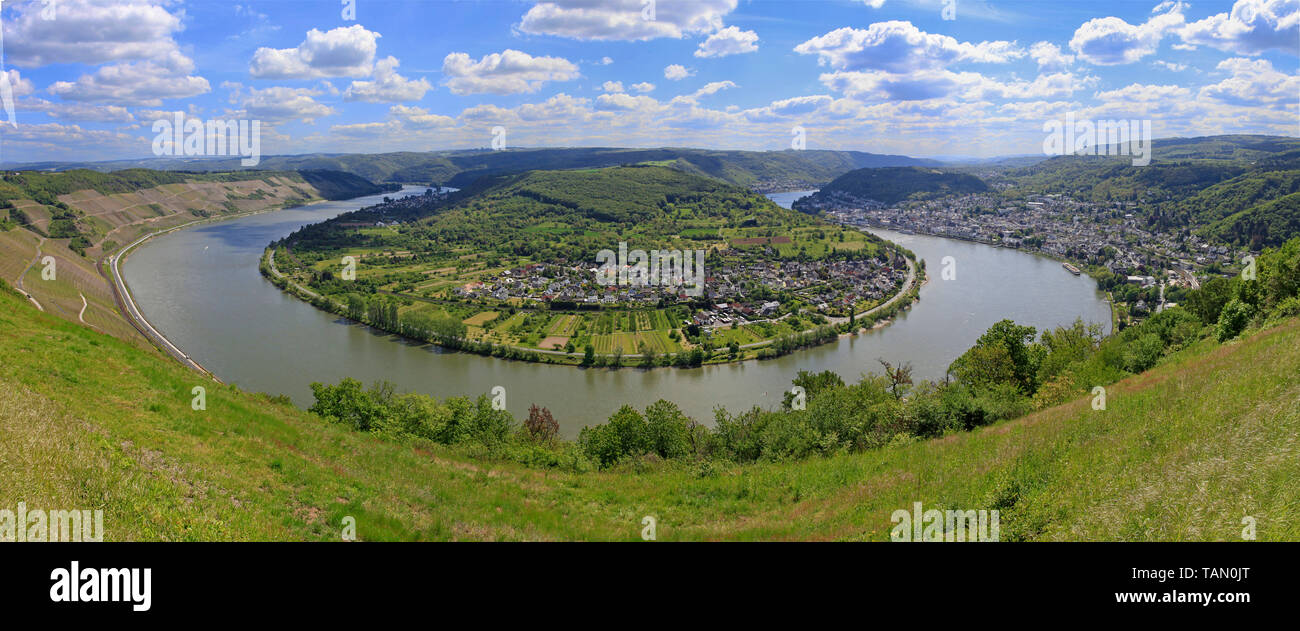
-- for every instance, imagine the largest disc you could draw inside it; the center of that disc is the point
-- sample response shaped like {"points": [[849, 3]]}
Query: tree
{"points": [[541, 425], [1017, 342], [589, 355], [899, 377]]}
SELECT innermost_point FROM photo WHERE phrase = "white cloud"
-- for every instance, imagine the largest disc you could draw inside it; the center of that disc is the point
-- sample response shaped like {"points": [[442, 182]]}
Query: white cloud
{"points": [[507, 72], [605, 61], [1253, 82], [48, 138], [78, 111], [284, 104], [145, 83], [624, 19], [785, 108], [728, 41], [677, 72], [713, 87], [18, 86], [627, 103], [1251, 27], [875, 4], [420, 117], [91, 32], [643, 87], [1169, 65], [898, 46], [388, 86], [612, 86], [1110, 40], [1142, 93], [1049, 56], [342, 52]]}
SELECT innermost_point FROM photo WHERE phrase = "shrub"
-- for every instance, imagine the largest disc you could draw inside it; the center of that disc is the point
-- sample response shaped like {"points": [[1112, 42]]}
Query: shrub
{"points": [[541, 426], [1233, 319]]}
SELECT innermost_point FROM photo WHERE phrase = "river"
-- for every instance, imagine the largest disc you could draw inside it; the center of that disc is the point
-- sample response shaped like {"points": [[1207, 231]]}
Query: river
{"points": [[201, 288]]}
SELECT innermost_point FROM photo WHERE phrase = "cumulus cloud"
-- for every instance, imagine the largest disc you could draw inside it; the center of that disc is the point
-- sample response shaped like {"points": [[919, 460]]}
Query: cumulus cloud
{"points": [[625, 20], [420, 117], [507, 72], [91, 32], [728, 41], [643, 87], [1250, 28], [347, 51], [1110, 41], [898, 46], [626, 103], [82, 112], [284, 104], [923, 85], [677, 72], [785, 108], [612, 86], [388, 86], [18, 86], [1049, 56], [1253, 82], [144, 83]]}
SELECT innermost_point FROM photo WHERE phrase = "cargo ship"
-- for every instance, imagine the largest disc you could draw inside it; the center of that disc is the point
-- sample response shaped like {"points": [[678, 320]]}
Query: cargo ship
{"points": [[1073, 270]]}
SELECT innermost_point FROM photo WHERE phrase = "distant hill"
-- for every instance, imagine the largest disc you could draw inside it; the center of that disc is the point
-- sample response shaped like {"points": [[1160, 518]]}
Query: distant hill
{"points": [[890, 185], [766, 170]]}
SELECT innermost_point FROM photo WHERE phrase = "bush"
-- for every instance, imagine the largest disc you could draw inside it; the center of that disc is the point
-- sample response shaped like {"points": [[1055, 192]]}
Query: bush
{"points": [[1233, 319]]}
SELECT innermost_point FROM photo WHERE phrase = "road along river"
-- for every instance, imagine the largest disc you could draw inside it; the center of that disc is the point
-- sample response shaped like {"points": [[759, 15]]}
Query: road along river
{"points": [[200, 287]]}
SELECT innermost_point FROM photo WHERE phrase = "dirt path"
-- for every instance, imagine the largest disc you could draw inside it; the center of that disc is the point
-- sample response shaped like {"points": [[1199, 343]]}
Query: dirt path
{"points": [[19, 284]]}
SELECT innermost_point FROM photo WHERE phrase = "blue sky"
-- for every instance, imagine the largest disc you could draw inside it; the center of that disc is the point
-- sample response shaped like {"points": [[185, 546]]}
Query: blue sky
{"points": [[89, 77]]}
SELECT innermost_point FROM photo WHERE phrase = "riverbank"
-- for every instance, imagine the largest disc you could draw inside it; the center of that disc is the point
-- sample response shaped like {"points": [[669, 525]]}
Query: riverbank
{"points": [[692, 357], [108, 266]]}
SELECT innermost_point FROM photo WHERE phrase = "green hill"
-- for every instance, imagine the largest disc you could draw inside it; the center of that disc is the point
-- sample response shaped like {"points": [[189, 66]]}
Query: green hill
{"points": [[1182, 452], [890, 185]]}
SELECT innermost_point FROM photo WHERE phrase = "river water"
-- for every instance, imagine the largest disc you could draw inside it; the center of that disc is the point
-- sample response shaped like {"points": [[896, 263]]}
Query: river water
{"points": [[201, 288]]}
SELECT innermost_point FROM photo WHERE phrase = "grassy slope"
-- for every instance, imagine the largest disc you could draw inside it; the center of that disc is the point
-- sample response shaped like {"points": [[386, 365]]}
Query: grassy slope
{"points": [[1182, 452]]}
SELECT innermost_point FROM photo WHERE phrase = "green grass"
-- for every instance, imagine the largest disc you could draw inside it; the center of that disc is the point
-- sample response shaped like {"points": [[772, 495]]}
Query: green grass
{"points": [[1182, 452]]}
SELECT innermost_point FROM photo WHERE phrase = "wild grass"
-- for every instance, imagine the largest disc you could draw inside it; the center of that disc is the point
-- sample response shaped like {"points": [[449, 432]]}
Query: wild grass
{"points": [[1182, 452]]}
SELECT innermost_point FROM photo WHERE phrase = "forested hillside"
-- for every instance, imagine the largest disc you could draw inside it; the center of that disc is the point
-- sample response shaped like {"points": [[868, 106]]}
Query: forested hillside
{"points": [[890, 185]]}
